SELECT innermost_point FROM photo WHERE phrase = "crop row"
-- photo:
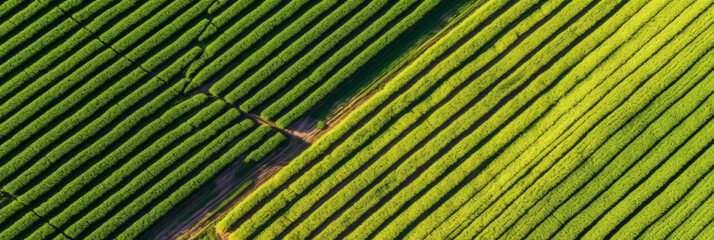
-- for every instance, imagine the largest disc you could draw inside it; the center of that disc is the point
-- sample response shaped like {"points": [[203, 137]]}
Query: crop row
{"points": [[479, 203], [117, 132], [231, 12], [536, 131], [242, 23], [296, 48], [175, 12], [545, 164], [268, 146], [625, 157], [679, 214], [125, 150], [51, 36], [176, 26], [278, 40], [28, 130], [88, 11], [571, 158], [16, 21], [63, 69], [594, 79], [112, 14], [108, 28], [145, 174], [27, 33], [58, 85], [9, 7], [90, 86], [167, 181], [431, 123], [75, 97], [19, 59], [422, 131], [84, 133], [87, 132], [530, 220], [403, 122], [49, 183], [637, 173], [84, 99], [306, 60], [657, 179], [72, 45], [229, 55], [68, 46], [59, 31], [102, 121], [350, 48], [433, 146], [698, 220], [686, 182], [243, 146], [334, 81], [321, 145]]}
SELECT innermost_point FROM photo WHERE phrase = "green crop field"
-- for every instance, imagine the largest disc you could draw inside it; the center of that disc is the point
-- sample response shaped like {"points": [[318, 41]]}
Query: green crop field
{"points": [[356, 119]]}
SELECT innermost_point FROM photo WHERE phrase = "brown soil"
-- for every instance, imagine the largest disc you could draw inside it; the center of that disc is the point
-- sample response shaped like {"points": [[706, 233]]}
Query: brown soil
{"points": [[172, 226]]}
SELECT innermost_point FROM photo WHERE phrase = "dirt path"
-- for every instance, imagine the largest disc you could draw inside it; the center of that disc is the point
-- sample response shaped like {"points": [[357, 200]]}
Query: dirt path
{"points": [[174, 225]]}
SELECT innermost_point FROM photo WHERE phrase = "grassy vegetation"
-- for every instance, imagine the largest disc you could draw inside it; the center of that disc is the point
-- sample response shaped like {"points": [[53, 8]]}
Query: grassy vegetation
{"points": [[475, 119]]}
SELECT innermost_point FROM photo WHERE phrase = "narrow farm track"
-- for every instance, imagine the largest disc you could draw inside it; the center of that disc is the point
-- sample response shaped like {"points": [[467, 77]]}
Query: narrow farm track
{"points": [[356, 119]]}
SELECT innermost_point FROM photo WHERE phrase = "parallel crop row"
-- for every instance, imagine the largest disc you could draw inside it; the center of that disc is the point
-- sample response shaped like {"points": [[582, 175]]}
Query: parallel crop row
{"points": [[75, 164], [148, 173], [611, 75], [351, 67], [278, 40], [571, 156], [596, 165], [99, 139], [268, 146], [219, 62], [62, 196], [460, 125], [422, 131], [600, 73], [77, 97], [330, 65], [307, 60], [207, 173], [28, 32], [391, 133], [168, 180], [298, 46], [318, 148]]}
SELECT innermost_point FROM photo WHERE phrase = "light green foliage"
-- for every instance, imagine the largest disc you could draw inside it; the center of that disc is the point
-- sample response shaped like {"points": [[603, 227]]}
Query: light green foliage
{"points": [[268, 146]]}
